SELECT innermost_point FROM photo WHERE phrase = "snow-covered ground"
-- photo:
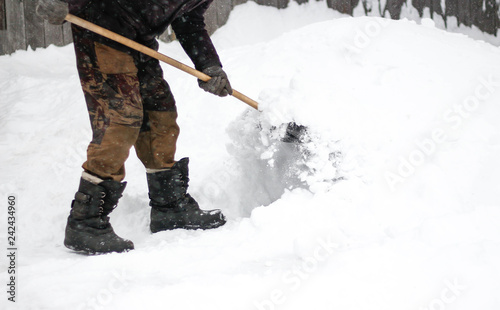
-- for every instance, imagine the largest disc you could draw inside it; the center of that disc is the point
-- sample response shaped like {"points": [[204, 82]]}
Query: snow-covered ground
{"points": [[392, 202]]}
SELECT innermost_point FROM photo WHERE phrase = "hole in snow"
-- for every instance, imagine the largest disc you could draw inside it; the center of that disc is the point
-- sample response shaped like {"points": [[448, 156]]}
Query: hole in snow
{"points": [[262, 166]]}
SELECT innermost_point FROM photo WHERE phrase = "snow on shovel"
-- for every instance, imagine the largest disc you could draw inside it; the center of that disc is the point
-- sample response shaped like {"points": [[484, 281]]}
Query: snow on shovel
{"points": [[294, 132]]}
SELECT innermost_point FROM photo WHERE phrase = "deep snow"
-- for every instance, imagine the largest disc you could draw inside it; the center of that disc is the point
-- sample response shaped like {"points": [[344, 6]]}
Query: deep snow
{"points": [[392, 203]]}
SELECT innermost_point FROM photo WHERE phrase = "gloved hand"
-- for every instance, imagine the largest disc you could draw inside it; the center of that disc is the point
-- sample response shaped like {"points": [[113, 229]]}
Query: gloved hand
{"points": [[218, 84], [54, 11]]}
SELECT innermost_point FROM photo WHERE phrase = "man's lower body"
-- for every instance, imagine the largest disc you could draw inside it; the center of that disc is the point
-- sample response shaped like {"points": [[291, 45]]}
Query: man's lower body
{"points": [[130, 105]]}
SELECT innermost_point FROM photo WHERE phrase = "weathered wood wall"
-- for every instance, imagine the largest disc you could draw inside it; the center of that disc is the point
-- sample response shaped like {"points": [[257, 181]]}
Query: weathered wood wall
{"points": [[21, 28], [2, 15], [24, 29], [483, 14]]}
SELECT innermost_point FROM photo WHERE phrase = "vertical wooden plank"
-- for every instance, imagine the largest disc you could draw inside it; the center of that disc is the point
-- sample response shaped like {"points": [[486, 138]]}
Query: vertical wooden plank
{"points": [[34, 26], [487, 19], [343, 6], [476, 10], [280, 4], [3, 27], [224, 8], [490, 20], [419, 5], [237, 2], [211, 19], [435, 8], [15, 25], [3, 15], [215, 16], [67, 34], [394, 8], [3, 42], [451, 7], [53, 34], [464, 12], [265, 2]]}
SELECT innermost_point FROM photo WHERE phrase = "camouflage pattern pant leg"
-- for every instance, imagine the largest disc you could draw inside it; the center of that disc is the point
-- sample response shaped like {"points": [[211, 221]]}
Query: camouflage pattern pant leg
{"points": [[126, 107], [157, 140]]}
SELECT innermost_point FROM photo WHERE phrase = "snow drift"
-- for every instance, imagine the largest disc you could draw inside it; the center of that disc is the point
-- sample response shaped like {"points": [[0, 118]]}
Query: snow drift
{"points": [[391, 203]]}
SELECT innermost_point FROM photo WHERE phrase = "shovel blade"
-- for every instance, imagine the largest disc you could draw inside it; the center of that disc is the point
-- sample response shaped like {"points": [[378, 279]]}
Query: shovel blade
{"points": [[294, 133]]}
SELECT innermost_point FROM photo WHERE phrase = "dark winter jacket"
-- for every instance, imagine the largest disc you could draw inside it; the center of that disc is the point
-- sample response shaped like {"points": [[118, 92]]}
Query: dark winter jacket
{"points": [[144, 20]]}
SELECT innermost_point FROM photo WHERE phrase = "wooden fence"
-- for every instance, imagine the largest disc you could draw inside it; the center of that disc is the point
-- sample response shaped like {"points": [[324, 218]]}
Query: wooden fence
{"points": [[483, 14], [21, 28]]}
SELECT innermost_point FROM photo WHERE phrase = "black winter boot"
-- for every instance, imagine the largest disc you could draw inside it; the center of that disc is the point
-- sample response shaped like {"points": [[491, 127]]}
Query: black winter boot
{"points": [[88, 228], [172, 206]]}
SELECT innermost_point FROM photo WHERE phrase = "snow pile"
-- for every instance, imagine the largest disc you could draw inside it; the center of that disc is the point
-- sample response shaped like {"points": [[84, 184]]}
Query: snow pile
{"points": [[390, 203]]}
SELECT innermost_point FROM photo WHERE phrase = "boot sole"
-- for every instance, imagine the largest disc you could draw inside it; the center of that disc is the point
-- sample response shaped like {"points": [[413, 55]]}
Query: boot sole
{"points": [[188, 227], [87, 251], [76, 240]]}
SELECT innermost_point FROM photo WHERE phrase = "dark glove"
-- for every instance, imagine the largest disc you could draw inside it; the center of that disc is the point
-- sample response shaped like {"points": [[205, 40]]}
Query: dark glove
{"points": [[218, 84], [54, 11]]}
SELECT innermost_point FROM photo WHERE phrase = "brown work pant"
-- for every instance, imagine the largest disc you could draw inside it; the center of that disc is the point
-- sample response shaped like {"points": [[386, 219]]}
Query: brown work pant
{"points": [[129, 104]]}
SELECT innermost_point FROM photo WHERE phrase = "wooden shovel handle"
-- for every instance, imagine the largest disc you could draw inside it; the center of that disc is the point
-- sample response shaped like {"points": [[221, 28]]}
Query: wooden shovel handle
{"points": [[151, 52]]}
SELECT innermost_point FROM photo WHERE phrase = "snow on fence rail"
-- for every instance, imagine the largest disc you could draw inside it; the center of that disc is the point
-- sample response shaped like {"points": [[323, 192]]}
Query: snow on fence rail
{"points": [[21, 28]]}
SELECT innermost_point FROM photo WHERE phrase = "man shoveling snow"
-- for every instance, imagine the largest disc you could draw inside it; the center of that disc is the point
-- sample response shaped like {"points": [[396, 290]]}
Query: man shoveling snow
{"points": [[130, 104]]}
